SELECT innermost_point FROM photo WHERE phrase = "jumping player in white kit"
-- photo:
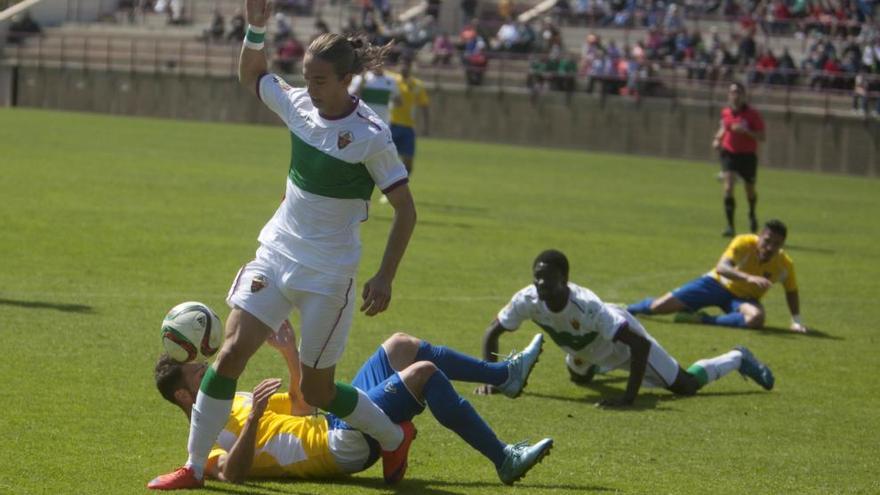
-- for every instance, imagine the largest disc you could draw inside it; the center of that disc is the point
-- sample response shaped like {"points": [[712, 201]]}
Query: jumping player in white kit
{"points": [[602, 337], [310, 249]]}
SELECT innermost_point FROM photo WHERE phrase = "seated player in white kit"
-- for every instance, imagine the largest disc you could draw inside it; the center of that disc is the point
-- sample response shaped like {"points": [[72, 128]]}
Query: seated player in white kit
{"points": [[599, 336]]}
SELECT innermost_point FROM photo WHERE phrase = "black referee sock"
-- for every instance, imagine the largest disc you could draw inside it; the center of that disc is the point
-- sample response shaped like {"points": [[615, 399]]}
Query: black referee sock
{"points": [[729, 208], [752, 219]]}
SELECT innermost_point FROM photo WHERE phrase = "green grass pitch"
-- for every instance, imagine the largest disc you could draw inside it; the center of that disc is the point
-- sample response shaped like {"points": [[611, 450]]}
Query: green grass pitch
{"points": [[108, 222]]}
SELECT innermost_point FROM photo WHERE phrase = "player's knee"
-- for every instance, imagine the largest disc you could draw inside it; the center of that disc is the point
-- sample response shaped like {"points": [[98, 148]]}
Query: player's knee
{"points": [[401, 339], [423, 370]]}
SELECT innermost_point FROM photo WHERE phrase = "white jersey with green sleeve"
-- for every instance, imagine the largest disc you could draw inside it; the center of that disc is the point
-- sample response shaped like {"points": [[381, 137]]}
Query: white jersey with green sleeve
{"points": [[334, 166], [377, 91], [586, 327]]}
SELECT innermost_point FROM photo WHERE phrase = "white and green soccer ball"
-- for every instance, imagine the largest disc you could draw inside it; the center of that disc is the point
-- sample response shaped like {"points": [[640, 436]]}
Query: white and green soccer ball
{"points": [[191, 331]]}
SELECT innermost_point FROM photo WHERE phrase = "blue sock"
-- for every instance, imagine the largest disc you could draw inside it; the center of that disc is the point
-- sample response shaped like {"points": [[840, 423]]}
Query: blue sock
{"points": [[461, 367], [642, 307], [735, 319], [457, 414]]}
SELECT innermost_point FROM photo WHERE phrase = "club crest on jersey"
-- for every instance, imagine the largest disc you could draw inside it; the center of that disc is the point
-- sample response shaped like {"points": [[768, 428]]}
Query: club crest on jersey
{"points": [[344, 139], [282, 84], [575, 324], [258, 283]]}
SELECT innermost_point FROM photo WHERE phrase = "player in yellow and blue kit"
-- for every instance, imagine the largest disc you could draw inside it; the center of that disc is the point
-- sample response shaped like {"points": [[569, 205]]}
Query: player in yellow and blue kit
{"points": [[271, 434], [750, 265], [412, 95]]}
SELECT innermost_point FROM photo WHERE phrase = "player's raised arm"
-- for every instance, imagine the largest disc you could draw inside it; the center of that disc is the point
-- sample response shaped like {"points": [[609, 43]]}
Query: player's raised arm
{"points": [[252, 63]]}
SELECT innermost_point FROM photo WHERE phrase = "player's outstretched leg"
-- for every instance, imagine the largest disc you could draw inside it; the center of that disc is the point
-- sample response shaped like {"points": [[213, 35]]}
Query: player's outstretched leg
{"points": [[739, 359], [454, 412], [509, 376]]}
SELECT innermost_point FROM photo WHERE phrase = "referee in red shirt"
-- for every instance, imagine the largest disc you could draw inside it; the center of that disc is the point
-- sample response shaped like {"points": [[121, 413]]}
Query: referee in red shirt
{"points": [[737, 141]]}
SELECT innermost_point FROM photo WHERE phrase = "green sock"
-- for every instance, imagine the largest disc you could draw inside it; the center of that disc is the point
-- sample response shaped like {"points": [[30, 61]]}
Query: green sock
{"points": [[699, 373], [345, 401]]}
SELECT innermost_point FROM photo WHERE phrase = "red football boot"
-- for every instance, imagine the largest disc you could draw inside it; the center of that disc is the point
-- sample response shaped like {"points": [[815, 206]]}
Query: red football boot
{"points": [[394, 462], [180, 479]]}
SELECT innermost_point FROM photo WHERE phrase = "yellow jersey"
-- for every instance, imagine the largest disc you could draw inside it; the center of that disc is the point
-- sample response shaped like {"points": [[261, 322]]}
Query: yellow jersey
{"points": [[287, 446], [743, 250], [412, 94]]}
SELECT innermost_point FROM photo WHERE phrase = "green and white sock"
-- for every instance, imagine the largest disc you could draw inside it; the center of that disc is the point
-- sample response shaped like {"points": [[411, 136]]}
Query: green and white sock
{"points": [[356, 408], [709, 370], [209, 415]]}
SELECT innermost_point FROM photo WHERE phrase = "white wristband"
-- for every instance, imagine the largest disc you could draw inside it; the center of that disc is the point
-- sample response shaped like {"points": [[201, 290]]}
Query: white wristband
{"points": [[257, 29], [253, 46]]}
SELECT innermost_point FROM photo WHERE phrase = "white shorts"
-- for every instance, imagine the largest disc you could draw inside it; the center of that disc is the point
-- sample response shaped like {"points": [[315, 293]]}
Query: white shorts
{"points": [[661, 371], [271, 285]]}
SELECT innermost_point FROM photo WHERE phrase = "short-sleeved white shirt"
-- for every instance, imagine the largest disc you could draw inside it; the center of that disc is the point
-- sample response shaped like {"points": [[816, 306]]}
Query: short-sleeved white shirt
{"points": [[585, 327], [335, 163]]}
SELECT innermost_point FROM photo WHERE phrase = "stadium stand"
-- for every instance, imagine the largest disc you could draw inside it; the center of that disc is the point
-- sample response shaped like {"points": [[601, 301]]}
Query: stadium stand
{"points": [[639, 49]]}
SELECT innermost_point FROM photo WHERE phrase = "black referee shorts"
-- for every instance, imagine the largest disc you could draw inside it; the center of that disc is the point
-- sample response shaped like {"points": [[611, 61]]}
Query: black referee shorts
{"points": [[744, 164]]}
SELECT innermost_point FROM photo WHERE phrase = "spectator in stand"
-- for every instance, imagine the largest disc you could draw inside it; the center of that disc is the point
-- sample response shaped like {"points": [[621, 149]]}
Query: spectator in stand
{"points": [[550, 35], [320, 28], [283, 29], [22, 27], [468, 9], [506, 36], [442, 50], [747, 49], [218, 26], [780, 17], [561, 11], [535, 80], [433, 8], [860, 94], [787, 68], [813, 65], [505, 8], [832, 74], [289, 52], [765, 68], [236, 26]]}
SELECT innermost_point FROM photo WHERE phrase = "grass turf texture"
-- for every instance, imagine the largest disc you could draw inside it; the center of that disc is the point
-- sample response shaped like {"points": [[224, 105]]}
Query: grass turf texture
{"points": [[108, 222]]}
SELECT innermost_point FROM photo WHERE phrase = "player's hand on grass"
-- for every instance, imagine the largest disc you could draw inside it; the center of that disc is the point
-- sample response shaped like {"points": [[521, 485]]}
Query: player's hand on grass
{"points": [[284, 339], [377, 295], [261, 395], [761, 282], [616, 403], [485, 389], [257, 12]]}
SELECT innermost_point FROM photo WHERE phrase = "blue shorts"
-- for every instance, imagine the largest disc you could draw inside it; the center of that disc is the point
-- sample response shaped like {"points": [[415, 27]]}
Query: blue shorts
{"points": [[706, 291], [404, 139], [384, 386]]}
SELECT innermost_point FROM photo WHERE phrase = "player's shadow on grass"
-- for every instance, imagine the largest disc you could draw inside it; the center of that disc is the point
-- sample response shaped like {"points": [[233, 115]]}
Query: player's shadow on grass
{"points": [[67, 308], [813, 333], [600, 388], [408, 485], [809, 249]]}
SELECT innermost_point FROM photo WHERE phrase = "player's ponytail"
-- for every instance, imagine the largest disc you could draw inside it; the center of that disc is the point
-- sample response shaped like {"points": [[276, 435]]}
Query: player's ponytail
{"points": [[349, 55]]}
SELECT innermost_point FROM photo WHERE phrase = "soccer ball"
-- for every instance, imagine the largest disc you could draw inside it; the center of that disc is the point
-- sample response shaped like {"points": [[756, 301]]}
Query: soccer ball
{"points": [[191, 331]]}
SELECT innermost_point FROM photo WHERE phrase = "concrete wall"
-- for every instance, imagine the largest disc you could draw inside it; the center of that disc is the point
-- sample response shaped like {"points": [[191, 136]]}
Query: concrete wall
{"points": [[838, 144]]}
